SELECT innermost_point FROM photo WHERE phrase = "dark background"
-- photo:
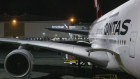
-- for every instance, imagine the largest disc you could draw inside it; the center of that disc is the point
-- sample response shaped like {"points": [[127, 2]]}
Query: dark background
{"points": [[57, 9]]}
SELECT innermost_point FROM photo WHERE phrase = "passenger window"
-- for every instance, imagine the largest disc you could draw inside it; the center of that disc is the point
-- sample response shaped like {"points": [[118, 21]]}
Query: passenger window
{"points": [[124, 42]]}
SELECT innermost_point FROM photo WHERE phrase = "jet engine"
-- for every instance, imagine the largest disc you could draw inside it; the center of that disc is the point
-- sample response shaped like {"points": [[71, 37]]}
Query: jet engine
{"points": [[19, 63]]}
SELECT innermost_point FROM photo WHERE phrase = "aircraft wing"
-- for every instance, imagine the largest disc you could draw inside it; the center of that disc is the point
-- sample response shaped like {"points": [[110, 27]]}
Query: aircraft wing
{"points": [[84, 32], [81, 51], [98, 57]]}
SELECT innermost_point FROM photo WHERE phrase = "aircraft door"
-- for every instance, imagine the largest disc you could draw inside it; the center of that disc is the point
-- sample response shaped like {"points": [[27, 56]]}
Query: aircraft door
{"points": [[133, 37]]}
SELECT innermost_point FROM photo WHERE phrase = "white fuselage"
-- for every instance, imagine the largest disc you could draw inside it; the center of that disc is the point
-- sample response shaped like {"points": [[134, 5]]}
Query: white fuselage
{"points": [[118, 31]]}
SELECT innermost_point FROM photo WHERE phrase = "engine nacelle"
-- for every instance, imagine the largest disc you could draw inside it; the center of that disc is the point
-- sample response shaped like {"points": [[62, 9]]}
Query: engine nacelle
{"points": [[19, 63]]}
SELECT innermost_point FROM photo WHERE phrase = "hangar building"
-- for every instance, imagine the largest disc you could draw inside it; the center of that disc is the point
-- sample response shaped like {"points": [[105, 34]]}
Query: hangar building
{"points": [[34, 28]]}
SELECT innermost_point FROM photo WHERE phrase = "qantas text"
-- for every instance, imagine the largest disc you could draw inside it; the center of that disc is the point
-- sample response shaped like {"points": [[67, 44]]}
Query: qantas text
{"points": [[117, 27]]}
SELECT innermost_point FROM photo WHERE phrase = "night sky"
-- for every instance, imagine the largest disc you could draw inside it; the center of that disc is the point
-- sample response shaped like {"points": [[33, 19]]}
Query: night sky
{"points": [[63, 9]]}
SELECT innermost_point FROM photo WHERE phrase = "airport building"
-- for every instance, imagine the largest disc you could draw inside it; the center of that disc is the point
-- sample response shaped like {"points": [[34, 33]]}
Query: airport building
{"points": [[37, 29], [29, 28]]}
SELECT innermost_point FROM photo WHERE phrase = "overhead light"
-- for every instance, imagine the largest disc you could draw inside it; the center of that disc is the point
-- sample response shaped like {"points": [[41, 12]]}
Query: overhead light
{"points": [[72, 19]]}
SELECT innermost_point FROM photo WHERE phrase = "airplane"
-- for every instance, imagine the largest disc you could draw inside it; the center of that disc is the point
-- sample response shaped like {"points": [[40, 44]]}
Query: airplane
{"points": [[114, 39], [67, 30]]}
